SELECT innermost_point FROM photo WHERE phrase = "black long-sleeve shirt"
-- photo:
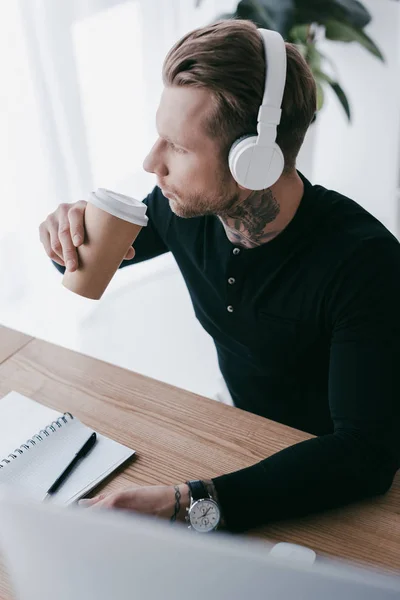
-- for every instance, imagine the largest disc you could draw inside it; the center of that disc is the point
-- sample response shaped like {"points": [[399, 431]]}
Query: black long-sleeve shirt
{"points": [[307, 332]]}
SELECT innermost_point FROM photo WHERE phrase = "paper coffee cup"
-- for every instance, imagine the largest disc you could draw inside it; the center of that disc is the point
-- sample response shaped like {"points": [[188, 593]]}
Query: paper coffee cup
{"points": [[112, 223]]}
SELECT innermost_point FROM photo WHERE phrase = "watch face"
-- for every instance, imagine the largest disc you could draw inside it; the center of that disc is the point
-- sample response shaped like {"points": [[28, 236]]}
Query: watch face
{"points": [[204, 515]]}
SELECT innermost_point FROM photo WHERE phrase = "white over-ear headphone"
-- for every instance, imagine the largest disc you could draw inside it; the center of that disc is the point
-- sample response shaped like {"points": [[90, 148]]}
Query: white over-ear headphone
{"points": [[256, 161]]}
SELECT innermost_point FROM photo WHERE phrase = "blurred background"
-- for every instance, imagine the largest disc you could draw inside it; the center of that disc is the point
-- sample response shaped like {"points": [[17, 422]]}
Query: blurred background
{"points": [[81, 81]]}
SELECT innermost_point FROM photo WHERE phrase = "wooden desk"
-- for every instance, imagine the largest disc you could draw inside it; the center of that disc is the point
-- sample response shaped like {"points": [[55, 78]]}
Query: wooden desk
{"points": [[179, 435], [11, 341]]}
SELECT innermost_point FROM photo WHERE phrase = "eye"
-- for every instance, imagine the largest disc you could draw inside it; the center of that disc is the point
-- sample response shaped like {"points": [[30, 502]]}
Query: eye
{"points": [[176, 149]]}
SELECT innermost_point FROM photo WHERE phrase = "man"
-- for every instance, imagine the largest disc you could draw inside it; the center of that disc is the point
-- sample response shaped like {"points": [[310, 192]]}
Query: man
{"points": [[298, 285]]}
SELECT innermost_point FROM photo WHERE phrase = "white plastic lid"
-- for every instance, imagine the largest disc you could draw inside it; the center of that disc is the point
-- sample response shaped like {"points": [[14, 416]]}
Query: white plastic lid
{"points": [[124, 207]]}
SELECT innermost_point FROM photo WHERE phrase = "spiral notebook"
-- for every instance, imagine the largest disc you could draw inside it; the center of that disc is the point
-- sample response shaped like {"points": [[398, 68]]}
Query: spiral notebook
{"points": [[37, 443]]}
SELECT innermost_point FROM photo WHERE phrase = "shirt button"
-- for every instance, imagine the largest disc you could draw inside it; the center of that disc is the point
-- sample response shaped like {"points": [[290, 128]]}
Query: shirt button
{"points": [[231, 280], [236, 251], [230, 309]]}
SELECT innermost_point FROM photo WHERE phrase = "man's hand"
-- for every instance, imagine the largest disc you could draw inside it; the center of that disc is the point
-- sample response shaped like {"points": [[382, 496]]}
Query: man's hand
{"points": [[157, 500]]}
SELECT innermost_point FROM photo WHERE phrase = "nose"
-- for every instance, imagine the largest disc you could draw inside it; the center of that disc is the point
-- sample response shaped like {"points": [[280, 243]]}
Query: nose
{"points": [[153, 163]]}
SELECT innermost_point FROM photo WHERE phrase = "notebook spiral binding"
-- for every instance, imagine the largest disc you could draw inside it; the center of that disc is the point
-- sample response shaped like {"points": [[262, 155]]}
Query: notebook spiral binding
{"points": [[59, 422]]}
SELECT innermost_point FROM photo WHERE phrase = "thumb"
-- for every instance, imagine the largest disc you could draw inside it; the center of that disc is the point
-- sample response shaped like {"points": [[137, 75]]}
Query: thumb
{"points": [[130, 254]]}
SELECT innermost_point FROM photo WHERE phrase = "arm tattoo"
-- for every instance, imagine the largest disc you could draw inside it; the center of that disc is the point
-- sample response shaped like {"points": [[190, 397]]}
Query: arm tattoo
{"points": [[177, 504]]}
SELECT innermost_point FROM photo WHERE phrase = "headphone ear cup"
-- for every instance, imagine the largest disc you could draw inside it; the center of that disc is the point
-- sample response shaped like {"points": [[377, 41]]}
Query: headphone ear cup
{"points": [[237, 142], [255, 167], [276, 166], [241, 145]]}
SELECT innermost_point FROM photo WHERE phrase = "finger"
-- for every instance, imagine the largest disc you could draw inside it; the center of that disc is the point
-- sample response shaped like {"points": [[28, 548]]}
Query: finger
{"points": [[106, 502], [55, 244], [86, 502], [45, 239], [76, 216], [69, 253], [113, 501], [130, 254]]}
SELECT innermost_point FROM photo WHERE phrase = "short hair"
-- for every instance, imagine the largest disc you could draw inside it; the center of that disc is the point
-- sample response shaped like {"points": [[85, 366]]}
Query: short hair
{"points": [[228, 58]]}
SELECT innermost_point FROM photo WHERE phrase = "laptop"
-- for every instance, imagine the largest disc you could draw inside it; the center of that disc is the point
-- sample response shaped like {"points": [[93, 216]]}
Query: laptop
{"points": [[75, 553]]}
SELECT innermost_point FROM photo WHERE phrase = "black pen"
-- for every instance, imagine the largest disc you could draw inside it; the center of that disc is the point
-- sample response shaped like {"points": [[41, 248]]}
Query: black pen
{"points": [[87, 446]]}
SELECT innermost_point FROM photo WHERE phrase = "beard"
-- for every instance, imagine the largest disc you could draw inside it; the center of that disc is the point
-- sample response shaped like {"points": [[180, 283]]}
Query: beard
{"points": [[197, 204]]}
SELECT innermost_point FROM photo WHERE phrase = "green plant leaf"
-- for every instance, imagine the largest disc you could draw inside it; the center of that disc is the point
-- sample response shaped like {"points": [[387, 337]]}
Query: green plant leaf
{"points": [[252, 10], [342, 98], [313, 58], [344, 33], [269, 13], [299, 34], [282, 13], [346, 11], [320, 95], [320, 76]]}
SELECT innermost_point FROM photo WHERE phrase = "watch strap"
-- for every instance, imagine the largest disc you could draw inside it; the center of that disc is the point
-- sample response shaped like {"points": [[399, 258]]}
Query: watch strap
{"points": [[197, 490]]}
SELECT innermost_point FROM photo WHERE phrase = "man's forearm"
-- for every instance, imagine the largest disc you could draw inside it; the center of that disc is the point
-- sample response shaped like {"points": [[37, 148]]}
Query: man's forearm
{"points": [[315, 475]]}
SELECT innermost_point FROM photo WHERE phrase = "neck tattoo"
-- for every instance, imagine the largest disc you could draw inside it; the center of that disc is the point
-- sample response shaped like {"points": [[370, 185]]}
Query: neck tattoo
{"points": [[249, 224]]}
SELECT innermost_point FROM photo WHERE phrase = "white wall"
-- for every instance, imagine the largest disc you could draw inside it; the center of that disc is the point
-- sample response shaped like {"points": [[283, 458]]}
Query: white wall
{"points": [[172, 347], [361, 160]]}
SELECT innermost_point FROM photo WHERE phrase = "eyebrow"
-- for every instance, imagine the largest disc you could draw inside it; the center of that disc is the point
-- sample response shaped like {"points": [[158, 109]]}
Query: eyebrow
{"points": [[174, 142], [168, 139]]}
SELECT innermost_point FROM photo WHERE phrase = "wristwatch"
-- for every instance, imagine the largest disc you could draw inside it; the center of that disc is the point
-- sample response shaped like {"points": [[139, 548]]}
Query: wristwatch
{"points": [[204, 514]]}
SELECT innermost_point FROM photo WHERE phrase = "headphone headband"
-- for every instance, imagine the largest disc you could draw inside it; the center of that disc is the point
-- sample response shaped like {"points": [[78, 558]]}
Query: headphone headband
{"points": [[256, 161], [269, 113], [275, 71]]}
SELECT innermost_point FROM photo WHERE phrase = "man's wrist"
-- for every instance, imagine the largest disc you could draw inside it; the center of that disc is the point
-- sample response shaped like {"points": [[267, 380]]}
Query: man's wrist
{"points": [[183, 496], [212, 492], [184, 501]]}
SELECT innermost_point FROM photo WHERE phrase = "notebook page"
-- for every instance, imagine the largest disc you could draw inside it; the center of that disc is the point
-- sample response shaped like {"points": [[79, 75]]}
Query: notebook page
{"points": [[33, 472], [20, 419]]}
